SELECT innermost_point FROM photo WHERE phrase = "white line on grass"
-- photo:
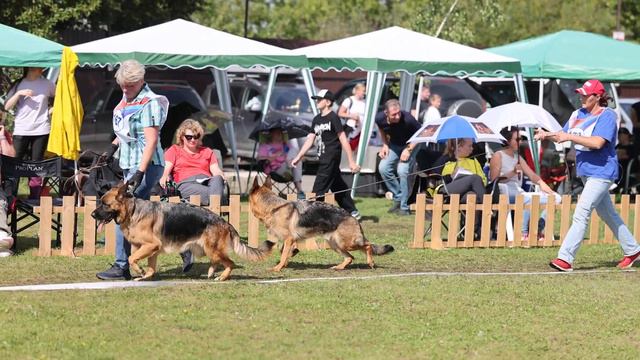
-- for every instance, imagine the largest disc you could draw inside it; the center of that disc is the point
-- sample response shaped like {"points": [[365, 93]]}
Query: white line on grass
{"points": [[103, 285]]}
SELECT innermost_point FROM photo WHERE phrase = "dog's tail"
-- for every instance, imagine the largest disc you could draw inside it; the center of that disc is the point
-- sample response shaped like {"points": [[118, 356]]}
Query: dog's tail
{"points": [[247, 252], [382, 250]]}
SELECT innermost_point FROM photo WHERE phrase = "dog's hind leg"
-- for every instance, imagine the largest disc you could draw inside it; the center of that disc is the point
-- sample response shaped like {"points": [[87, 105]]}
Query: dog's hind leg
{"points": [[368, 249], [286, 252], [348, 259], [228, 265]]}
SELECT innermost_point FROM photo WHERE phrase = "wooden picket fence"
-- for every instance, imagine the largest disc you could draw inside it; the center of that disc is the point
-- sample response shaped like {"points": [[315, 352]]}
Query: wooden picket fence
{"points": [[71, 225], [442, 231]]}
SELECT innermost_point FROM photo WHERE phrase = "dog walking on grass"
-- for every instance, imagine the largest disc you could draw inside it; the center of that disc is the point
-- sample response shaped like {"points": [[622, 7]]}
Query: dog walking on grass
{"points": [[292, 221], [154, 227]]}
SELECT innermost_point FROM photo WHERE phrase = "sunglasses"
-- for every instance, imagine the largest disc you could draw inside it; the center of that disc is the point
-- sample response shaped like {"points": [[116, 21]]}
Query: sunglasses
{"points": [[192, 137]]}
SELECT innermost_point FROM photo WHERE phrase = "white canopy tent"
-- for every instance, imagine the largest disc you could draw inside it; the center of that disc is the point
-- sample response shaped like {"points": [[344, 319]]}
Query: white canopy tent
{"points": [[398, 49], [180, 43]]}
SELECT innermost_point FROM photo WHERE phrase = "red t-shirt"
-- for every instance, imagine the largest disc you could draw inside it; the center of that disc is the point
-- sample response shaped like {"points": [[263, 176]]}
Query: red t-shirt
{"points": [[186, 164]]}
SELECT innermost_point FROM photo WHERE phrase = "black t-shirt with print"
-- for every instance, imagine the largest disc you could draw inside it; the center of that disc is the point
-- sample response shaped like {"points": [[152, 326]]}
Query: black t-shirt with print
{"points": [[327, 128], [400, 132]]}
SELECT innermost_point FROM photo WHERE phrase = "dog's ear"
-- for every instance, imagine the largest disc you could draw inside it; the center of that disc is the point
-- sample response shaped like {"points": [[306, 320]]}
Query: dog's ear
{"points": [[255, 185], [267, 183], [123, 191]]}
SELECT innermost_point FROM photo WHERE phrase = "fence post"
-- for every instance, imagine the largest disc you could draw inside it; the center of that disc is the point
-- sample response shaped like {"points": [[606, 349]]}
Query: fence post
{"points": [[234, 211], [214, 204], [517, 221], [454, 220], [68, 225], [565, 216], [110, 238], [253, 231], [194, 200], [470, 221], [46, 212], [503, 210], [485, 231], [549, 221], [608, 234], [418, 227], [436, 222], [534, 218], [89, 238], [594, 229]]}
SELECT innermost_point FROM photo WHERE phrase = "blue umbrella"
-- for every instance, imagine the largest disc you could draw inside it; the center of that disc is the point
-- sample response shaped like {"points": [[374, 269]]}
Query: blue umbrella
{"points": [[455, 127]]}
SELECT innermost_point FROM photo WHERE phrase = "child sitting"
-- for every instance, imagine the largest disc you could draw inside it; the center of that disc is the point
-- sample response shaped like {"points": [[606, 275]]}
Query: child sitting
{"points": [[277, 151]]}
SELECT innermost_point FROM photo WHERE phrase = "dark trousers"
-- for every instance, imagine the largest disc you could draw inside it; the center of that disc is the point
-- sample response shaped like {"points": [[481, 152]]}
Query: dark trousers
{"points": [[465, 185], [38, 146], [328, 178]]}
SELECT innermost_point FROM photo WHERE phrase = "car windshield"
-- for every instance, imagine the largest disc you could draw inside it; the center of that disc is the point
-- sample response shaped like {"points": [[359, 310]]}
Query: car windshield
{"points": [[178, 94], [291, 100]]}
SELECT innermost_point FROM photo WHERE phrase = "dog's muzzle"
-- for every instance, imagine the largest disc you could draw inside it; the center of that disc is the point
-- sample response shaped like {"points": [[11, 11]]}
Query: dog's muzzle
{"points": [[103, 215]]}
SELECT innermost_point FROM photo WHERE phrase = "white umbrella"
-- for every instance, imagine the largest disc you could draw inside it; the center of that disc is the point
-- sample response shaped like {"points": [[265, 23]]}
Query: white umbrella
{"points": [[456, 127], [518, 114]]}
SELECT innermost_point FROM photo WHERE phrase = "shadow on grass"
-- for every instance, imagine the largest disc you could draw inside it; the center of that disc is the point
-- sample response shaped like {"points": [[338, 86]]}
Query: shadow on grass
{"points": [[306, 266]]}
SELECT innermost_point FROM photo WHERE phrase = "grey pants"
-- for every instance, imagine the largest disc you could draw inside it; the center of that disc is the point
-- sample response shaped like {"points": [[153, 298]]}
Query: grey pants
{"points": [[4, 226], [189, 186]]}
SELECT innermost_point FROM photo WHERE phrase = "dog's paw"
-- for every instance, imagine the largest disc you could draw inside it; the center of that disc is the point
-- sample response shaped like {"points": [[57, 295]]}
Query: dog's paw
{"points": [[276, 268], [337, 268]]}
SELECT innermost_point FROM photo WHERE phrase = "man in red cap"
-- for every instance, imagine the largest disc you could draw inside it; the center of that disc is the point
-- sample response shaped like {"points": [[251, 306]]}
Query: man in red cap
{"points": [[593, 130]]}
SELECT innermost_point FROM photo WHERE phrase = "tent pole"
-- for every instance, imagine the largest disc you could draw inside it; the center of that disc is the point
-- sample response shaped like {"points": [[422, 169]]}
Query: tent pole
{"points": [[420, 85], [224, 95], [407, 84], [375, 83], [311, 88], [522, 96]]}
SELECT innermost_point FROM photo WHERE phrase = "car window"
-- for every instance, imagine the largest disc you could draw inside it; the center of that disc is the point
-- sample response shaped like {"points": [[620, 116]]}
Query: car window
{"points": [[293, 100], [179, 94], [114, 99]]}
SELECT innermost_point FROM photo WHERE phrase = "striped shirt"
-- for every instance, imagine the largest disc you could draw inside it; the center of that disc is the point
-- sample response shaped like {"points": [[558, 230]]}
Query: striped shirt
{"points": [[150, 114]]}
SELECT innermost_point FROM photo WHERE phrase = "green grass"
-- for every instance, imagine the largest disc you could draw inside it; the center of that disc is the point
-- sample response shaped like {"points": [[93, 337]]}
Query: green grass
{"points": [[585, 315]]}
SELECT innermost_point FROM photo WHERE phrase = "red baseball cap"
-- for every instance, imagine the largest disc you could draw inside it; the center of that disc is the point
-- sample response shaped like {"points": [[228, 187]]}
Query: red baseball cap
{"points": [[591, 87]]}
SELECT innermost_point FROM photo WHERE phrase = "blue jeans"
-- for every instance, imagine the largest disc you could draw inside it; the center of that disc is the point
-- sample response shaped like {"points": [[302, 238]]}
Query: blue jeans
{"points": [[595, 195], [150, 179], [394, 173]]}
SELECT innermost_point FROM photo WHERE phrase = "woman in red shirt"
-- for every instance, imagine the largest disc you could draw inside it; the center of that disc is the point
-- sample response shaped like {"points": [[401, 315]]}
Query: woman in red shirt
{"points": [[192, 166]]}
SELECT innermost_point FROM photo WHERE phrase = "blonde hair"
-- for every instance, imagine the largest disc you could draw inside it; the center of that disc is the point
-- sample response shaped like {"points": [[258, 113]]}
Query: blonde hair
{"points": [[192, 125], [357, 87], [130, 71]]}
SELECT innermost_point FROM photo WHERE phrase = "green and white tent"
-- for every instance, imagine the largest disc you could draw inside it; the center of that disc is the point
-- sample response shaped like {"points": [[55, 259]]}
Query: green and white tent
{"points": [[19, 48], [398, 49], [577, 55], [180, 43]]}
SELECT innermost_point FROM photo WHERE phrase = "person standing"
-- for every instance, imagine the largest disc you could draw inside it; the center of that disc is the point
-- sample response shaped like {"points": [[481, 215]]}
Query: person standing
{"points": [[425, 93], [31, 96], [433, 112], [396, 127], [137, 120], [6, 240], [593, 131], [330, 141], [352, 111]]}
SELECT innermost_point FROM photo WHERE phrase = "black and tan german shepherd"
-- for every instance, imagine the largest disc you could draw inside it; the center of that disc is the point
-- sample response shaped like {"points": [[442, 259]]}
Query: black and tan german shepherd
{"points": [[155, 227], [291, 221]]}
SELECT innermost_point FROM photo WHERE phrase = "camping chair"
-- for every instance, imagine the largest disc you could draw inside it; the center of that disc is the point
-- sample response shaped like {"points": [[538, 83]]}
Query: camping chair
{"points": [[435, 184], [281, 172], [14, 169]]}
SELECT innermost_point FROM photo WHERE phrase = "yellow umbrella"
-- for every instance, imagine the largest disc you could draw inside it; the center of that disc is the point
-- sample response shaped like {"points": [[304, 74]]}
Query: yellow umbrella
{"points": [[64, 139]]}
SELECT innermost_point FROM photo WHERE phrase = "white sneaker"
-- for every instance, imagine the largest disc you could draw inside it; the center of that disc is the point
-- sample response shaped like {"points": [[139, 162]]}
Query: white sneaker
{"points": [[5, 253]]}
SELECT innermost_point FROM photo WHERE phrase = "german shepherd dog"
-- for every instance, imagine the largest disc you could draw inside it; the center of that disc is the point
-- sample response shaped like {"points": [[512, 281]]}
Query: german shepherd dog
{"points": [[154, 227], [291, 221]]}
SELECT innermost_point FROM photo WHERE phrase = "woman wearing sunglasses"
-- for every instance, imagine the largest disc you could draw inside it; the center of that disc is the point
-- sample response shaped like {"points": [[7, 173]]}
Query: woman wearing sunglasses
{"points": [[193, 167], [593, 129]]}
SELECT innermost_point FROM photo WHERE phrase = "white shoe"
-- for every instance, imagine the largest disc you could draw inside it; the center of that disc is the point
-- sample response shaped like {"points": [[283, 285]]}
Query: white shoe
{"points": [[5, 253]]}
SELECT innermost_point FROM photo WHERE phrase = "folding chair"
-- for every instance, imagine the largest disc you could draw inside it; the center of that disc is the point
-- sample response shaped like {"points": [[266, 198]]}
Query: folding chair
{"points": [[12, 170]]}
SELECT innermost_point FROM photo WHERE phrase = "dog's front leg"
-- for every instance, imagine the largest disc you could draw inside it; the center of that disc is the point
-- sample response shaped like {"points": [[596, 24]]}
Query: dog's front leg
{"points": [[145, 251], [286, 252]]}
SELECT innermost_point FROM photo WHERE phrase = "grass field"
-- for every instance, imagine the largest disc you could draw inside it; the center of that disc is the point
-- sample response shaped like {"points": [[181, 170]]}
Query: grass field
{"points": [[587, 314]]}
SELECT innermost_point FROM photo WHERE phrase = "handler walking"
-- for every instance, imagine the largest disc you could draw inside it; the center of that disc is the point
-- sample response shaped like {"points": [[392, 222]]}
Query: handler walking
{"points": [[593, 129], [137, 120]]}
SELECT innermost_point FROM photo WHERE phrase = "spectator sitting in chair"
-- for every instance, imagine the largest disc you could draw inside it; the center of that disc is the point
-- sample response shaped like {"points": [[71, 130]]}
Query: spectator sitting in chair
{"points": [[278, 153], [464, 175], [6, 241], [193, 167], [507, 166], [626, 152]]}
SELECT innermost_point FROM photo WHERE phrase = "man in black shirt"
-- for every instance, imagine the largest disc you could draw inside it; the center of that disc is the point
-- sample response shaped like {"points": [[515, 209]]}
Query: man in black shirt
{"points": [[331, 141], [396, 127]]}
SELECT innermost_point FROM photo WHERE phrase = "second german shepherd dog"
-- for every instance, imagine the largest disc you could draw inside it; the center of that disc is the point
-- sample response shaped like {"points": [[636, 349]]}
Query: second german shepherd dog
{"points": [[153, 227], [291, 221]]}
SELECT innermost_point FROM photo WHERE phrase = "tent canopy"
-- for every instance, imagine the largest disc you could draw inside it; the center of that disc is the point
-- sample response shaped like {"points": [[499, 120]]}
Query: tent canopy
{"points": [[180, 43], [398, 49], [572, 54], [19, 48]]}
